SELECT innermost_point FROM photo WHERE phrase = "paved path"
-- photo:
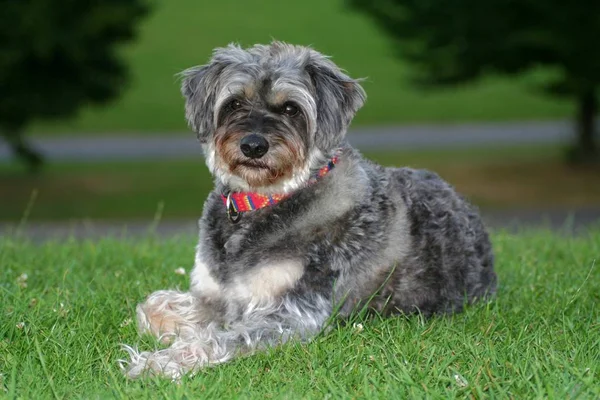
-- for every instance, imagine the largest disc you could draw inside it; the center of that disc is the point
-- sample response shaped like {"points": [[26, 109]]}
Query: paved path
{"points": [[567, 222], [174, 145], [106, 147]]}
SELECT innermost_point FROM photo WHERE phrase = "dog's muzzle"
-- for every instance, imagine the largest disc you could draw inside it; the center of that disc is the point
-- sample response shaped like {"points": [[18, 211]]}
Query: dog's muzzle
{"points": [[237, 203], [254, 146]]}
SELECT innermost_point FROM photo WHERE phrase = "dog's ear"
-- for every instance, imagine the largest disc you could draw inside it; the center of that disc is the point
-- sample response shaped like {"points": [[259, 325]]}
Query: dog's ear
{"points": [[199, 88], [338, 98]]}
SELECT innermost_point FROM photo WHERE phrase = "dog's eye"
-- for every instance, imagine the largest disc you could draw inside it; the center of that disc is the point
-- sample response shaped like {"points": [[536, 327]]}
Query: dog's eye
{"points": [[289, 109], [234, 105]]}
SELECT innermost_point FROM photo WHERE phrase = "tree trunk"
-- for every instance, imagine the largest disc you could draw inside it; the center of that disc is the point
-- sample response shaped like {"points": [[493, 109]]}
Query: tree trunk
{"points": [[23, 150], [586, 148]]}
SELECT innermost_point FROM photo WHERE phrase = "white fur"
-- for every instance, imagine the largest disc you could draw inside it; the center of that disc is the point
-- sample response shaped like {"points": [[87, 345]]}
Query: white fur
{"points": [[168, 313], [202, 282], [300, 177], [267, 282], [259, 326]]}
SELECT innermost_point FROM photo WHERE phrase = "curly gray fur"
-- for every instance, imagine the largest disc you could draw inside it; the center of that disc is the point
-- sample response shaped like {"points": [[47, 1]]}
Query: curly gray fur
{"points": [[396, 240]]}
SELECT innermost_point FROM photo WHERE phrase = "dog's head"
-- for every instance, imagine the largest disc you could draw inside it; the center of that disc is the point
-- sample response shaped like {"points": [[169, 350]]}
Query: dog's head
{"points": [[270, 114]]}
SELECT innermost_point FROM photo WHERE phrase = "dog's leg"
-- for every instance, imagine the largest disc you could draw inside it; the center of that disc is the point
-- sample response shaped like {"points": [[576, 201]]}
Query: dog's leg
{"points": [[258, 327], [167, 314]]}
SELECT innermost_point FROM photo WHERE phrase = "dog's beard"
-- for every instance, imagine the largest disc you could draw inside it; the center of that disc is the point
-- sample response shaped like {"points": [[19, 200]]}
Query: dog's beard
{"points": [[285, 168]]}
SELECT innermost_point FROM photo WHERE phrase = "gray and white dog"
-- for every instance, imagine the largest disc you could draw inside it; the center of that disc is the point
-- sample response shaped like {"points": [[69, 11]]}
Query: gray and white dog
{"points": [[335, 233]]}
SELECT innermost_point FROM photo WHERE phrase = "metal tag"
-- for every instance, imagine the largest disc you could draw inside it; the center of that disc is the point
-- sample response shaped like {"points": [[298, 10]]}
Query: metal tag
{"points": [[233, 215]]}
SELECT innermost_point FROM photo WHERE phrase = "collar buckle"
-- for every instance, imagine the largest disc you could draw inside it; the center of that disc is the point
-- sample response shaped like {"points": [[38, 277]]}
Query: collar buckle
{"points": [[233, 214]]}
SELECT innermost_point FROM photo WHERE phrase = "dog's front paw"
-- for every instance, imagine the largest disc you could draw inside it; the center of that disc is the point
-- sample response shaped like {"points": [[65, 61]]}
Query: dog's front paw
{"points": [[174, 362], [167, 314], [147, 363]]}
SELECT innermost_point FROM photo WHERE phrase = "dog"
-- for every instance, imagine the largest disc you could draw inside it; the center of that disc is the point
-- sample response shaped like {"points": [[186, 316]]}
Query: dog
{"points": [[300, 227]]}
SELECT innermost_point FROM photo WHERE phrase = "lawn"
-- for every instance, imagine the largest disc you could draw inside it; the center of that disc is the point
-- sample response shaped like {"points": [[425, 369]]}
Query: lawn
{"points": [[67, 306], [511, 177], [180, 34]]}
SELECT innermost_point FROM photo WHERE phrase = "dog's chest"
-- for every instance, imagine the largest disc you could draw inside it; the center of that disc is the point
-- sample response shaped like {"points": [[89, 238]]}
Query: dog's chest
{"points": [[258, 283], [244, 262]]}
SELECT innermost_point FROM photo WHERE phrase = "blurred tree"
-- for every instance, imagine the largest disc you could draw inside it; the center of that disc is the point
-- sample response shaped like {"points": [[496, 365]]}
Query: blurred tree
{"points": [[456, 41], [56, 57]]}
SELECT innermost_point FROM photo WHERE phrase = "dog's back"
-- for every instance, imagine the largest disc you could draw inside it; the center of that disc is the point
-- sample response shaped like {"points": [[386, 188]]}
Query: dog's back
{"points": [[451, 259]]}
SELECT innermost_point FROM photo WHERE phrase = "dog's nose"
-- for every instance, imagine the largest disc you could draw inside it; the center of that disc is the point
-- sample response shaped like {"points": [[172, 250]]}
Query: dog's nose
{"points": [[254, 146]]}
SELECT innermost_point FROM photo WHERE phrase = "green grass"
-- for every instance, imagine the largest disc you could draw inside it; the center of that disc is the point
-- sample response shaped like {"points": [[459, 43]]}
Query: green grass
{"points": [[517, 177], [540, 338], [180, 34]]}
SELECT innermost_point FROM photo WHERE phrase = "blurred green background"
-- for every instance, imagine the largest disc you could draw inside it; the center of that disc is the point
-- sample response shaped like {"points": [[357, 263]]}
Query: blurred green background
{"points": [[182, 33], [178, 34]]}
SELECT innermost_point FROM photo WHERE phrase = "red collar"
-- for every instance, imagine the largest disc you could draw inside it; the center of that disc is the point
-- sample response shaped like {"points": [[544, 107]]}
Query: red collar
{"points": [[239, 202]]}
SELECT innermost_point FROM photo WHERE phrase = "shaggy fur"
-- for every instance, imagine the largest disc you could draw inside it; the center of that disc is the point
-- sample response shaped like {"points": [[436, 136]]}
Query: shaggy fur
{"points": [[396, 240]]}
